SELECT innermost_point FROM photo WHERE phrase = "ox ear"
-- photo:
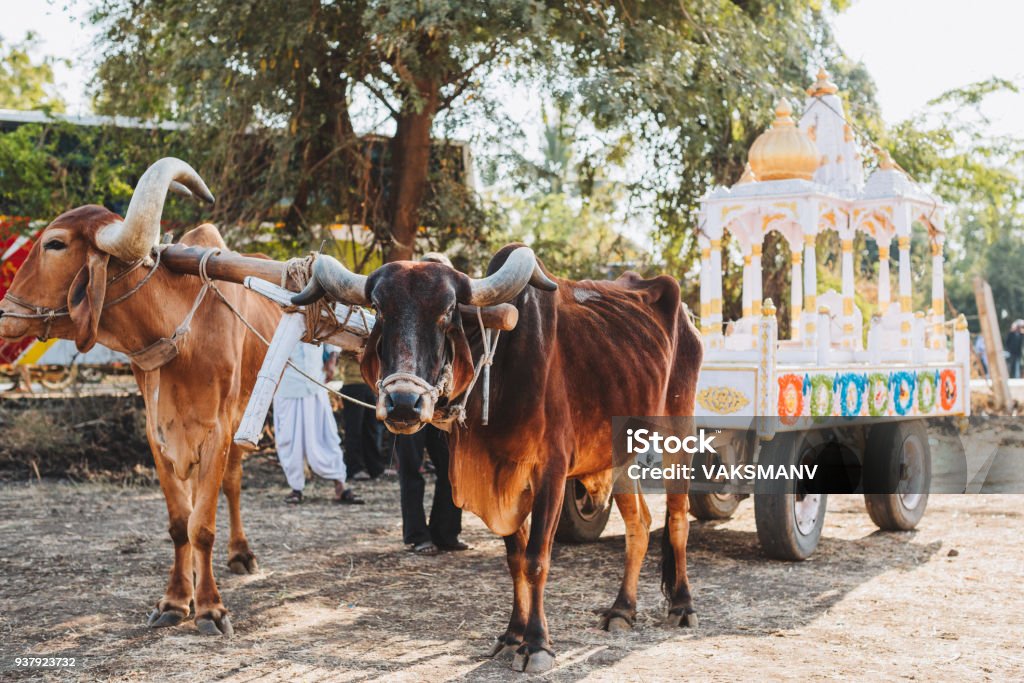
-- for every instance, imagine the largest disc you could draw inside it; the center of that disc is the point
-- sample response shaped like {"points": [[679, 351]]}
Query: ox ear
{"points": [[85, 299]]}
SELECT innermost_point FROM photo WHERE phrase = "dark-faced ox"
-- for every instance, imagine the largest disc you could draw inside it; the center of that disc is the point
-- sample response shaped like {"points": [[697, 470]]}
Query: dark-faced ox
{"points": [[581, 353], [91, 277]]}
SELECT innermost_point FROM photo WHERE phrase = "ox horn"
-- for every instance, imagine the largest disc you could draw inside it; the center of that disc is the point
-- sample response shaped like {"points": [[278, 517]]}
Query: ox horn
{"points": [[520, 269], [332, 278], [132, 238]]}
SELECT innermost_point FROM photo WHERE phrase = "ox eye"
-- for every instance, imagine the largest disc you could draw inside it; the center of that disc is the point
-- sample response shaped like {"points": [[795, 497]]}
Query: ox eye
{"points": [[55, 245]]}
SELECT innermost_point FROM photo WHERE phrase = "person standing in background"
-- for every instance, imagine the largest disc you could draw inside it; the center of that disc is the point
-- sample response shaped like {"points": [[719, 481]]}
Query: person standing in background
{"points": [[1014, 344], [363, 455], [442, 533], [305, 430]]}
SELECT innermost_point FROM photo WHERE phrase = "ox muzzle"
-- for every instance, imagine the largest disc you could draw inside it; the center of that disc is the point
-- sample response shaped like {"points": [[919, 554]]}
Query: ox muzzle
{"points": [[406, 402]]}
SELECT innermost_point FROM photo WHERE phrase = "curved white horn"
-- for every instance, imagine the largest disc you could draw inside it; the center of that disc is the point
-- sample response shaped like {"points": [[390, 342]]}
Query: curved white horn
{"points": [[331, 278], [520, 269], [132, 239]]}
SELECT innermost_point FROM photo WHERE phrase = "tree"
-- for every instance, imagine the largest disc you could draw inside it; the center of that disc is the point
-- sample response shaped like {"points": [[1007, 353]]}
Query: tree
{"points": [[25, 84], [565, 208], [950, 148], [293, 77]]}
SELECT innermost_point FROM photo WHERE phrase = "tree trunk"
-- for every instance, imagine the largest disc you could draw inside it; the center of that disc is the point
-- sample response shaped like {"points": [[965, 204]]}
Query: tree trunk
{"points": [[410, 168]]}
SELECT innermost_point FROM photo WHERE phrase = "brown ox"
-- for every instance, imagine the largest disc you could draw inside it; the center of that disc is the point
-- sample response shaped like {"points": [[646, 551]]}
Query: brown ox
{"points": [[83, 263], [579, 356]]}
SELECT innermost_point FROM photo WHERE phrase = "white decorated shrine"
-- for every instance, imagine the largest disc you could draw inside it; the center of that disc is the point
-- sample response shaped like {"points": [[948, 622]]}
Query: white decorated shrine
{"points": [[804, 178]]}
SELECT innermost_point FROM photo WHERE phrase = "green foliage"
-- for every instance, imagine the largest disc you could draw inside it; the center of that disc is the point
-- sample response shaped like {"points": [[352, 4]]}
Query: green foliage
{"points": [[25, 84], [950, 148], [46, 169]]}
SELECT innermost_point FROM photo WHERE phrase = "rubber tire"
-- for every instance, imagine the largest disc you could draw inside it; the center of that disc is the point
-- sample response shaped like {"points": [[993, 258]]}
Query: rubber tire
{"points": [[576, 525], [882, 459], [710, 506], [775, 513]]}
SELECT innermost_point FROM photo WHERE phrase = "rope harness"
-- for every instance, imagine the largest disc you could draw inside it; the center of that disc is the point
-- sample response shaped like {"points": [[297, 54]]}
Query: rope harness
{"points": [[52, 314]]}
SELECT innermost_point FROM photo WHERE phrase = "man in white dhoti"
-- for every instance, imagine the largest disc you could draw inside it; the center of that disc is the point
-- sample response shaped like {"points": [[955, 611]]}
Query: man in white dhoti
{"points": [[305, 429]]}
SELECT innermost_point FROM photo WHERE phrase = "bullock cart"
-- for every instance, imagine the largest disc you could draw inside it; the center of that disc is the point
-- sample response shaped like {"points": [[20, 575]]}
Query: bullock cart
{"points": [[871, 385]]}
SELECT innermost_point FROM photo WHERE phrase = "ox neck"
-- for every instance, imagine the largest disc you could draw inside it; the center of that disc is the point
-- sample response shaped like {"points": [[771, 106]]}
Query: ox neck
{"points": [[152, 313]]}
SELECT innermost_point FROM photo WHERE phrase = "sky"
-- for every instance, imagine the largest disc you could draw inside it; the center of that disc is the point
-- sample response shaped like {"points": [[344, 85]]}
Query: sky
{"points": [[914, 49]]}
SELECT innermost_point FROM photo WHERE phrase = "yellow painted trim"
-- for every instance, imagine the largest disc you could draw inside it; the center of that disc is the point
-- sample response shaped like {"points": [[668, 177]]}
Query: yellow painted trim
{"points": [[33, 353], [883, 253], [904, 243]]}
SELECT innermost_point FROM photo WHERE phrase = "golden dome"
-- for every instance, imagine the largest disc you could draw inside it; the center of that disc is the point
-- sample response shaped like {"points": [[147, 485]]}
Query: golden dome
{"points": [[784, 151], [822, 86]]}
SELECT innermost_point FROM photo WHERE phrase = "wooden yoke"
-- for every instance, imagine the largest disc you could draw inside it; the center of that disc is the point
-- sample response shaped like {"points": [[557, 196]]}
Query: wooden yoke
{"points": [[231, 266], [263, 276]]}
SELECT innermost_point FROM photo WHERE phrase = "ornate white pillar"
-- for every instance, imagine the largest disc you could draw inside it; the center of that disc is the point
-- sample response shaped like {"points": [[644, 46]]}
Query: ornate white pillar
{"points": [[938, 294], [748, 285], [810, 291], [716, 291], [705, 286], [796, 290], [884, 297], [906, 305], [755, 279], [847, 270]]}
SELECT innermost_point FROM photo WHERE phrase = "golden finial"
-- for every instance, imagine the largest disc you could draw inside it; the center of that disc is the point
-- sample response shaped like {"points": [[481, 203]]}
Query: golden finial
{"points": [[885, 161], [961, 323], [822, 86], [768, 307], [747, 177]]}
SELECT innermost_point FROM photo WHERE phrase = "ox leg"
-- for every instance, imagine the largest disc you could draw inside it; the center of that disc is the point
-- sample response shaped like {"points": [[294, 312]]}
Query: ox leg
{"points": [[211, 615], [241, 559], [674, 580], [174, 606], [535, 654], [515, 552], [637, 517]]}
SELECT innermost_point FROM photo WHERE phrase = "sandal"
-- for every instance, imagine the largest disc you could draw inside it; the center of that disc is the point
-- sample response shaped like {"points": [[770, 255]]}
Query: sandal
{"points": [[294, 498], [457, 546], [425, 548], [349, 498]]}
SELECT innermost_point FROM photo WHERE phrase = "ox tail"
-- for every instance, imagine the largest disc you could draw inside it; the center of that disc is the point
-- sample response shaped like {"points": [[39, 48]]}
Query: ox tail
{"points": [[668, 557]]}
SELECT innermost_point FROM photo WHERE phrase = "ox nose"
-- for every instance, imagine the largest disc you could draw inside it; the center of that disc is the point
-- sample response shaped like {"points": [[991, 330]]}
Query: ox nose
{"points": [[403, 406]]}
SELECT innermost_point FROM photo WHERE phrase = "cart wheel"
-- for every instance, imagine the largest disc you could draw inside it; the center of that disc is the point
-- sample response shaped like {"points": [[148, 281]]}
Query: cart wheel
{"points": [[59, 378], [91, 375], [898, 459], [789, 524], [582, 520], [709, 506]]}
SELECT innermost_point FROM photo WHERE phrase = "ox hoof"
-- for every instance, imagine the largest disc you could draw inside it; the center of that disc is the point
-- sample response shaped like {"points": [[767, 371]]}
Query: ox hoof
{"points": [[682, 618], [618, 625], [243, 564], [617, 620], [503, 649], [158, 619], [533, 662], [215, 627]]}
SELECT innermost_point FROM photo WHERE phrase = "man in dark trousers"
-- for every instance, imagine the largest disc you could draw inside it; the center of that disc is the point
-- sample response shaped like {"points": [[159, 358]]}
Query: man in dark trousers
{"points": [[442, 533], [363, 456], [1014, 347]]}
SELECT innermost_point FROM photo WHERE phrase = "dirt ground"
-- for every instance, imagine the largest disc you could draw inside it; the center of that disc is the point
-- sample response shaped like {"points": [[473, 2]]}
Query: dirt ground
{"points": [[339, 599]]}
